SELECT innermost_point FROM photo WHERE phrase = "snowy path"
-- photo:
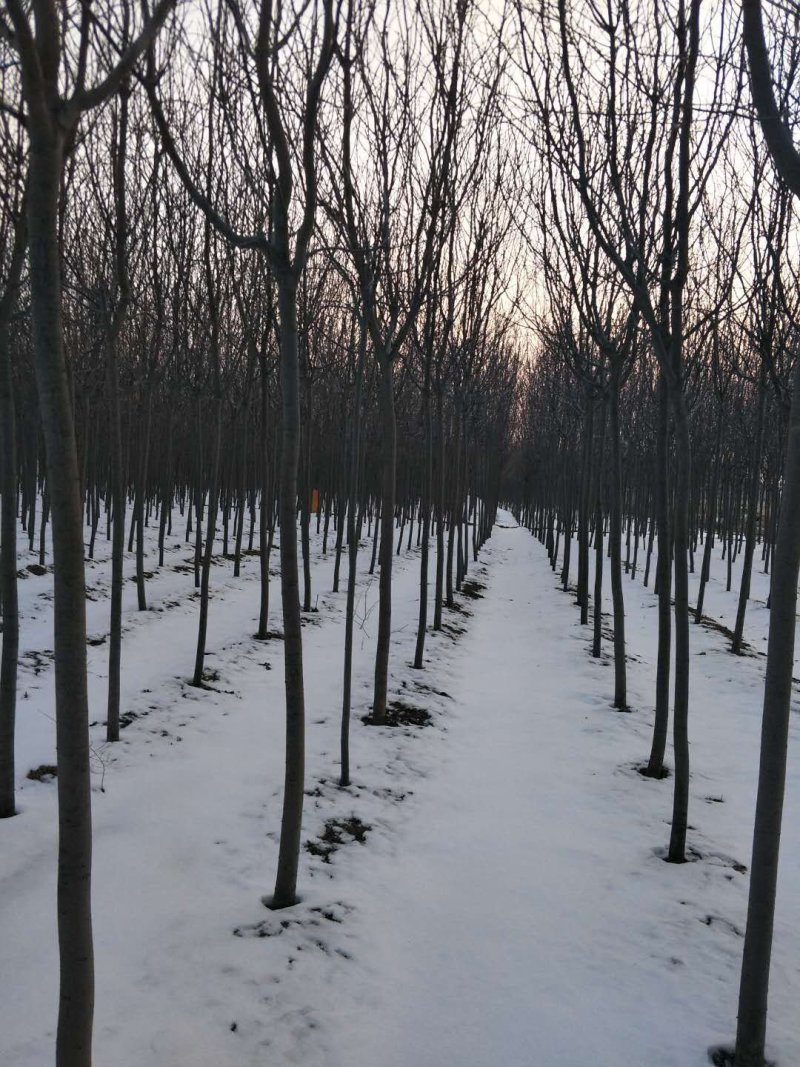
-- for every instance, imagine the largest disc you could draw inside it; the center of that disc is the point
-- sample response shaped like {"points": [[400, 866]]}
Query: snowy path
{"points": [[531, 920], [509, 907], [479, 937]]}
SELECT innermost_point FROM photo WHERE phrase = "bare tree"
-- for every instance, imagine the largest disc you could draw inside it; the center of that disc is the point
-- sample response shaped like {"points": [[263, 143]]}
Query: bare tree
{"points": [[271, 93], [51, 120], [13, 241], [754, 987]]}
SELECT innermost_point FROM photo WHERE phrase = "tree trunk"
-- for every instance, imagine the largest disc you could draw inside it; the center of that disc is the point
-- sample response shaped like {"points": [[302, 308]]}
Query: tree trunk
{"points": [[437, 608], [117, 547], [615, 536], [655, 765], [598, 536], [211, 529], [752, 517], [583, 517], [76, 994], [387, 520], [425, 509], [237, 561], [454, 498], [292, 817], [141, 490], [754, 985], [680, 722], [305, 502], [705, 568], [352, 552], [265, 522], [8, 577]]}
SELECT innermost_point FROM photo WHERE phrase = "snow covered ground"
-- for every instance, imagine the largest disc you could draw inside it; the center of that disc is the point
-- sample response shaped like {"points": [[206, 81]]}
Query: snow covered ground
{"points": [[508, 904]]}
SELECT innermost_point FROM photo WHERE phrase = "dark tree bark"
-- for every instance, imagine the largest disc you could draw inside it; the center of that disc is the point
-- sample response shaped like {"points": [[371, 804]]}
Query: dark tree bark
{"points": [[598, 535], [51, 121], [352, 551], [615, 536], [8, 526], [752, 516], [389, 462], [754, 986], [113, 330]]}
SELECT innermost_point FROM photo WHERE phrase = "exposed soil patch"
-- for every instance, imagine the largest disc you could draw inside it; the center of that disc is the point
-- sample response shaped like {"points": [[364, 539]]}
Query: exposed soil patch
{"points": [[338, 832], [399, 713], [720, 628], [36, 659], [272, 635], [423, 687], [717, 920], [643, 770], [397, 796], [726, 861], [279, 922], [453, 631], [473, 589], [459, 609], [723, 1056], [210, 675], [46, 772]]}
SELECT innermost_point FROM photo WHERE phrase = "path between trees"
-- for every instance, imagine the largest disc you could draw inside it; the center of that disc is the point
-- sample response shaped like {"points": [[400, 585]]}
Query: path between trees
{"points": [[508, 904], [529, 918]]}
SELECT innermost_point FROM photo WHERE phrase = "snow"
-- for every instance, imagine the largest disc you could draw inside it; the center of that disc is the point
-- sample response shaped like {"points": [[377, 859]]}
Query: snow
{"points": [[509, 904]]}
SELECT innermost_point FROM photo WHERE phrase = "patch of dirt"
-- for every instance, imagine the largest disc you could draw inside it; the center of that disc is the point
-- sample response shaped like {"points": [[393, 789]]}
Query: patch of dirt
{"points": [[37, 569], [720, 860], [720, 628], [210, 675], [723, 1056], [338, 832], [399, 713], [46, 772], [279, 922], [453, 631], [396, 796], [459, 609], [473, 589], [423, 687], [36, 659], [272, 635], [717, 920], [656, 777]]}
